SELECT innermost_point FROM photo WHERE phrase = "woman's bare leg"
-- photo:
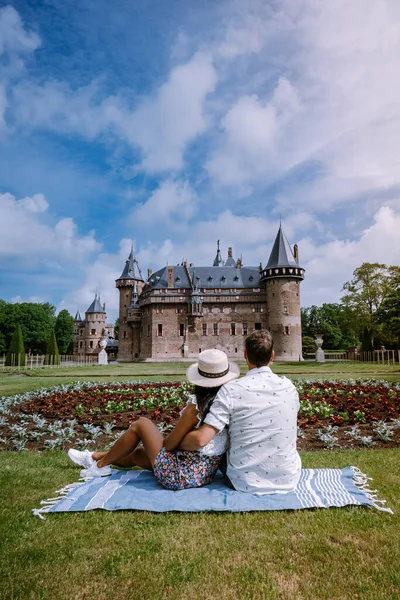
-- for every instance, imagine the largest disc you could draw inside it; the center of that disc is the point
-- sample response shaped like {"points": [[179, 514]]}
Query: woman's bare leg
{"points": [[137, 458], [141, 430]]}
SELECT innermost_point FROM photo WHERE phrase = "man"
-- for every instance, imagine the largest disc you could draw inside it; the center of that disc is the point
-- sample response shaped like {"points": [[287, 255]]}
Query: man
{"points": [[260, 410]]}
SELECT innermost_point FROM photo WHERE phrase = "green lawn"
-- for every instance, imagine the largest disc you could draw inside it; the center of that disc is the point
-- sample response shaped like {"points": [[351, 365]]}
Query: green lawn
{"points": [[318, 554], [305, 555], [13, 382]]}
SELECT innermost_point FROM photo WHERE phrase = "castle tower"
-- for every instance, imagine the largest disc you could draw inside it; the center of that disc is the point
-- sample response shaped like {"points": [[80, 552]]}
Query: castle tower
{"points": [[78, 331], [94, 328], [218, 262], [130, 285], [282, 277]]}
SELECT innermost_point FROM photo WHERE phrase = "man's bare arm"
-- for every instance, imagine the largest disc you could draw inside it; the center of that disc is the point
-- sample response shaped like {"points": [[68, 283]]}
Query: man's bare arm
{"points": [[198, 438]]}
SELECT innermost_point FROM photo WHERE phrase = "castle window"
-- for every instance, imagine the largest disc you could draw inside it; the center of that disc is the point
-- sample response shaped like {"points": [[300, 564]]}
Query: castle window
{"points": [[233, 308], [287, 330], [81, 331], [91, 344], [251, 278], [93, 331], [148, 330], [285, 309], [221, 309], [159, 309], [215, 329], [124, 335], [236, 278], [245, 329], [80, 344], [179, 309], [223, 278], [257, 307], [204, 328], [181, 329], [233, 328], [159, 330], [257, 326]]}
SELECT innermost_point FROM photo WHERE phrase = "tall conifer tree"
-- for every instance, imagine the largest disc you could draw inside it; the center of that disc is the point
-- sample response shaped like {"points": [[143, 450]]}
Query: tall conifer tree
{"points": [[52, 353], [16, 351]]}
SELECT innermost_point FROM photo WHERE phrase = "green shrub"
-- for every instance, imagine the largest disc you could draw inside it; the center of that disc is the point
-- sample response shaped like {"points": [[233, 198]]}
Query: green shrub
{"points": [[52, 355], [16, 348]]}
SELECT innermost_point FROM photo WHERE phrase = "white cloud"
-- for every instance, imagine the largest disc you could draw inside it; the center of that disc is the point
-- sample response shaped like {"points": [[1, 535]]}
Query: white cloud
{"points": [[329, 265], [25, 235], [172, 199], [161, 126], [13, 36], [164, 124], [253, 135]]}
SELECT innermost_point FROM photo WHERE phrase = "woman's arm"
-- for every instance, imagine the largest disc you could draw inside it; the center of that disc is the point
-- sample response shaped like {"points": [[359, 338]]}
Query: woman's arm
{"points": [[198, 438], [185, 424]]}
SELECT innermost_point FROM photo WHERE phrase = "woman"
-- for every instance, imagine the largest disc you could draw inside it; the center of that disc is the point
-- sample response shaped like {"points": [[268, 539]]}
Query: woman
{"points": [[175, 469]]}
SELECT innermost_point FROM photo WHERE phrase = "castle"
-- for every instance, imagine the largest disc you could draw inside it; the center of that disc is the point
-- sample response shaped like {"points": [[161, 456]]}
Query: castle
{"points": [[89, 331], [181, 310]]}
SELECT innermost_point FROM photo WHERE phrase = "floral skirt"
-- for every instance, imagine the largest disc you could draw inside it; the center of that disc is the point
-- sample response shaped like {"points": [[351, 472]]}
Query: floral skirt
{"points": [[183, 469]]}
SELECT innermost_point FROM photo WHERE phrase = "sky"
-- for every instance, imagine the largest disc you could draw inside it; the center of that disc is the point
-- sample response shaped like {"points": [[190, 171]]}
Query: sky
{"points": [[172, 124]]}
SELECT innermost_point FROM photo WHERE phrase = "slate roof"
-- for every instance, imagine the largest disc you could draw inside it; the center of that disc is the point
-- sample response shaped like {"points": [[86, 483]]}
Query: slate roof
{"points": [[131, 269], [207, 278], [96, 306], [78, 316], [281, 254]]}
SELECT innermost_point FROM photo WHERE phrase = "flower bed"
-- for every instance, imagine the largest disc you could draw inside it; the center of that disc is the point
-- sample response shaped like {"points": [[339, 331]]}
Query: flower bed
{"points": [[332, 413]]}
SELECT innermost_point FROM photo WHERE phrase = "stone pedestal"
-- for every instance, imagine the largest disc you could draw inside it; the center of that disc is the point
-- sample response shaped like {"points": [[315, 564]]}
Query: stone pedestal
{"points": [[319, 355], [103, 358]]}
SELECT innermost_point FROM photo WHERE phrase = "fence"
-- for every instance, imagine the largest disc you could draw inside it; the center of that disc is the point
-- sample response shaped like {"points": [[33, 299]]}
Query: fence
{"points": [[36, 361], [384, 357]]}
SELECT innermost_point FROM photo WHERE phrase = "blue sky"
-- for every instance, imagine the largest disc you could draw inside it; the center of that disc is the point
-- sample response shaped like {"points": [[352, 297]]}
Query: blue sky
{"points": [[173, 124]]}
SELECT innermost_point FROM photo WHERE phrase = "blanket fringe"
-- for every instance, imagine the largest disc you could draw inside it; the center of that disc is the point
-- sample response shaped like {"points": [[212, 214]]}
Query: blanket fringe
{"points": [[361, 481], [63, 492]]}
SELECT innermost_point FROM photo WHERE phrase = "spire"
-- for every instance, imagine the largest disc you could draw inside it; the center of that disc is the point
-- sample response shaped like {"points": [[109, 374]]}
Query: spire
{"points": [[218, 258], [78, 316], [131, 269], [281, 255], [96, 306]]}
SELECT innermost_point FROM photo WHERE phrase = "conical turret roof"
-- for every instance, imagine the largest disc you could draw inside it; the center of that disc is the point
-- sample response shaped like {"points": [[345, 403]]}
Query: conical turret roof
{"points": [[131, 269], [281, 254], [96, 306], [78, 316]]}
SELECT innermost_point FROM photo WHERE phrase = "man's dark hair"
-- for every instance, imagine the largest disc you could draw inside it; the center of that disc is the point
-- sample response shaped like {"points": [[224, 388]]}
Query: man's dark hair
{"points": [[259, 346]]}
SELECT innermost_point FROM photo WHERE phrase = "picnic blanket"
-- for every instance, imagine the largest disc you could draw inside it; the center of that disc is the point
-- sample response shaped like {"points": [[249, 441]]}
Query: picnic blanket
{"points": [[139, 490]]}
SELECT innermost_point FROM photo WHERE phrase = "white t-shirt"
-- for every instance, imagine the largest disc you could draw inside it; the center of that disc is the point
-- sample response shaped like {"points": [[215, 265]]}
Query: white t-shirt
{"points": [[260, 410]]}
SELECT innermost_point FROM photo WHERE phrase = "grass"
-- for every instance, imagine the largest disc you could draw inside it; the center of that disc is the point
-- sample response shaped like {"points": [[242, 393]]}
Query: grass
{"points": [[14, 382], [315, 554], [305, 555]]}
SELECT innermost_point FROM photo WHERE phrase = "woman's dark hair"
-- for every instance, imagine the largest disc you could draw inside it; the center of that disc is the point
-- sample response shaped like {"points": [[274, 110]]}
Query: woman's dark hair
{"points": [[204, 399]]}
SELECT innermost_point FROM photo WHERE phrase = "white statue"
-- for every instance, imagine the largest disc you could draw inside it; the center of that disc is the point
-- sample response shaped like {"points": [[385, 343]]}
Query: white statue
{"points": [[320, 354], [103, 358]]}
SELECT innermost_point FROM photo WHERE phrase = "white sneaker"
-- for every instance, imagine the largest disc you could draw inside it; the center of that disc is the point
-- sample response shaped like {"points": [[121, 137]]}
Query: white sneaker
{"points": [[95, 471], [81, 457]]}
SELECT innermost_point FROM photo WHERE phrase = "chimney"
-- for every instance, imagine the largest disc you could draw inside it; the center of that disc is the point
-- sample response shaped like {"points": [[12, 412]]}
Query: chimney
{"points": [[149, 273], [229, 252], [170, 277], [296, 253], [239, 263]]}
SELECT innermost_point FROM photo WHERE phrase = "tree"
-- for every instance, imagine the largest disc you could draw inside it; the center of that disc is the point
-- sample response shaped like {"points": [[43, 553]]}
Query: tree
{"points": [[36, 320], [64, 330], [308, 345], [388, 314], [16, 351], [52, 355], [372, 283], [336, 322]]}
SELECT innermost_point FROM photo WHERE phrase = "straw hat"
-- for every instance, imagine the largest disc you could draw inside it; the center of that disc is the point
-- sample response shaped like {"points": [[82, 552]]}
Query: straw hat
{"points": [[212, 369]]}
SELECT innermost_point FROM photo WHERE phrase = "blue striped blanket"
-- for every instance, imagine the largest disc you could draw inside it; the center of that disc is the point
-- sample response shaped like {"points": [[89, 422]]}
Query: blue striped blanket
{"points": [[139, 490]]}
